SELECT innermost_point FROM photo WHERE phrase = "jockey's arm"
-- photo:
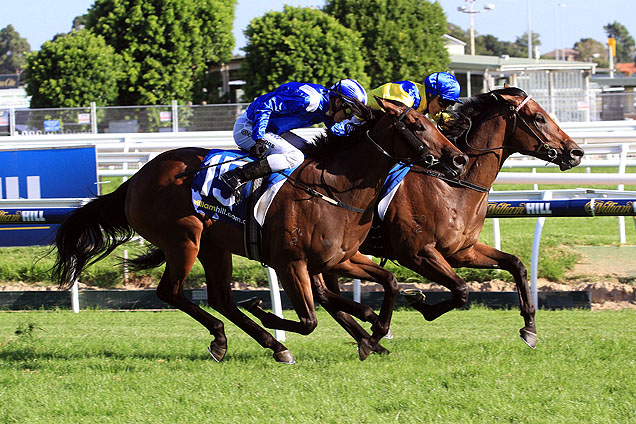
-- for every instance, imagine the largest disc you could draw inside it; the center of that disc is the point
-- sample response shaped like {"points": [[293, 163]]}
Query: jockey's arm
{"points": [[287, 103]]}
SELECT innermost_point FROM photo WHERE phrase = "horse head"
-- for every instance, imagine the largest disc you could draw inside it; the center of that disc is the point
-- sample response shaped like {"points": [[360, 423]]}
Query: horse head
{"points": [[423, 144], [536, 133]]}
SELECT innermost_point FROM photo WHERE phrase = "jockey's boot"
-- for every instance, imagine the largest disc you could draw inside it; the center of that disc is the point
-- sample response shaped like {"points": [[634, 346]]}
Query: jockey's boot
{"points": [[235, 178]]}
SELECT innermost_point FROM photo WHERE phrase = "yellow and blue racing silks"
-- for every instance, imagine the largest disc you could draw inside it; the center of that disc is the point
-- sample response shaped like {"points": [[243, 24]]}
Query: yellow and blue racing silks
{"points": [[409, 93]]}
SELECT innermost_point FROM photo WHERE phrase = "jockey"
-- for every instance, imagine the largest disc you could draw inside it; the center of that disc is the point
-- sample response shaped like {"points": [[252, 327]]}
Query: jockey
{"points": [[264, 129], [441, 90]]}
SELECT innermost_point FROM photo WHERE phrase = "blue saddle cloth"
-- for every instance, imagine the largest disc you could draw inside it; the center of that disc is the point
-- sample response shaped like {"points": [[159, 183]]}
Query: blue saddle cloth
{"points": [[211, 197]]}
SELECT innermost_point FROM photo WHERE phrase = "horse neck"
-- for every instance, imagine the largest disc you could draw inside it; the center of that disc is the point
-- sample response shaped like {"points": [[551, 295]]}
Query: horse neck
{"points": [[357, 175], [483, 167]]}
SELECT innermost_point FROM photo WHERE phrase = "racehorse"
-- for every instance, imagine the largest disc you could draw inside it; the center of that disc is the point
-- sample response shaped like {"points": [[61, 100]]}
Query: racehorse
{"points": [[302, 234], [432, 225]]}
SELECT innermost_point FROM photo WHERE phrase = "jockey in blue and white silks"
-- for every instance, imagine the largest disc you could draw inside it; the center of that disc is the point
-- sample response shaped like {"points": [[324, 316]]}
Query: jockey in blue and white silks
{"points": [[264, 129]]}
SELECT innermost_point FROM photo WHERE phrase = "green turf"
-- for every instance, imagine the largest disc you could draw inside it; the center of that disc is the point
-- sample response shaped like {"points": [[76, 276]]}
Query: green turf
{"points": [[467, 367]]}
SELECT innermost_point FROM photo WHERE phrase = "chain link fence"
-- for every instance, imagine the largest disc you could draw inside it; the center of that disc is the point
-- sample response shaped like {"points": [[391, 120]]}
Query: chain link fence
{"points": [[120, 119]]}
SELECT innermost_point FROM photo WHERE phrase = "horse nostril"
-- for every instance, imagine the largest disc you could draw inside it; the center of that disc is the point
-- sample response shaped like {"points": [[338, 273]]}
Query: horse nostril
{"points": [[576, 153], [460, 161]]}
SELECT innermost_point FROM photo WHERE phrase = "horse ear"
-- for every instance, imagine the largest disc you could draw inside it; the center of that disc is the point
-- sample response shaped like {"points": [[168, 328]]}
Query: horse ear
{"points": [[506, 85], [360, 109], [390, 106]]}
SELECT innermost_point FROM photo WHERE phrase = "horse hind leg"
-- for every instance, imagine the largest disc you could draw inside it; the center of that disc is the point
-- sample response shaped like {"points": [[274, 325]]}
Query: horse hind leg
{"points": [[217, 264], [179, 261]]}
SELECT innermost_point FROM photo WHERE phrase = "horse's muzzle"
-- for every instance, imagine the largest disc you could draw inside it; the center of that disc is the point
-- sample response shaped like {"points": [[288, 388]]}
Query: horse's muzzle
{"points": [[571, 158]]}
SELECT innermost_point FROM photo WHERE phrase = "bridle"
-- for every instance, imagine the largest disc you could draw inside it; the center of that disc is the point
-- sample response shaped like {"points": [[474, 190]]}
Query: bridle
{"points": [[422, 155], [551, 152]]}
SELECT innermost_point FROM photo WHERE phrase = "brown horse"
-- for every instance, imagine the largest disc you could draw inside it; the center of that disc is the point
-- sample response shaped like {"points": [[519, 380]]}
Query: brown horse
{"points": [[432, 225], [302, 234]]}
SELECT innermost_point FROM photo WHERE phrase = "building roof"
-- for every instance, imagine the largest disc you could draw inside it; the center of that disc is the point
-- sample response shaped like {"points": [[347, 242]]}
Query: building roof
{"points": [[506, 63]]}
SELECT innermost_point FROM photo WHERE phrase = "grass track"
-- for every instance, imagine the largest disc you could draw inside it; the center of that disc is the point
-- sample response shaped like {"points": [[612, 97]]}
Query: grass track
{"points": [[469, 366]]}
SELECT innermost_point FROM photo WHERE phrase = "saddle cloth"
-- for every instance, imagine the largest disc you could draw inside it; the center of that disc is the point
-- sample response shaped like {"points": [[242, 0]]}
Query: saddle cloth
{"points": [[390, 187], [211, 197]]}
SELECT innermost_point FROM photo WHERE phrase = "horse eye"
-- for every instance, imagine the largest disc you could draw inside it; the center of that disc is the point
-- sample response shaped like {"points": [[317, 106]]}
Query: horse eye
{"points": [[540, 119], [420, 128]]}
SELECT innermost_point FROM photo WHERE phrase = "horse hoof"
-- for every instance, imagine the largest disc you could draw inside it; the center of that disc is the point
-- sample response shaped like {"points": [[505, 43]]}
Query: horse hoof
{"points": [[413, 295], [284, 357], [250, 304], [380, 350], [364, 349], [388, 335], [528, 337], [217, 352]]}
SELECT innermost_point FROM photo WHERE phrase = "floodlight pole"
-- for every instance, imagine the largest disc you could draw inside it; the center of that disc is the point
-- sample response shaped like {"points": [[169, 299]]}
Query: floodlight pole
{"points": [[472, 12]]}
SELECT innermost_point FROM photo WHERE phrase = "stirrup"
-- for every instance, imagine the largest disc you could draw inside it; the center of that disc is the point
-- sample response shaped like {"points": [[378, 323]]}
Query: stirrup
{"points": [[233, 182]]}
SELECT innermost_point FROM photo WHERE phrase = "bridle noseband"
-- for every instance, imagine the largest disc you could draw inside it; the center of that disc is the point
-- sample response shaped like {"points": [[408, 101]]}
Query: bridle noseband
{"points": [[422, 155], [551, 152]]}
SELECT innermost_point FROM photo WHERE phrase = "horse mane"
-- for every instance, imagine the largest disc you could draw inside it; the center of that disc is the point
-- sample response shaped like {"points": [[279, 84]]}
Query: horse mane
{"points": [[477, 104], [472, 108]]}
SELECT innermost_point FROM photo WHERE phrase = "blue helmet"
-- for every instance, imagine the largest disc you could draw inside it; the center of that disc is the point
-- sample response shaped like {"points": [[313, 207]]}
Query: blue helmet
{"points": [[350, 88], [442, 84]]}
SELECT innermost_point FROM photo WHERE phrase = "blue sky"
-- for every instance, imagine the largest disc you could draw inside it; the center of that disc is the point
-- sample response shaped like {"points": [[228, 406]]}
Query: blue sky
{"points": [[39, 20]]}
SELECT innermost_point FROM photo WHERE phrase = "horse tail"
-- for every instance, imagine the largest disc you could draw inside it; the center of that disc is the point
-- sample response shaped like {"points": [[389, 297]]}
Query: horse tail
{"points": [[90, 234], [151, 259]]}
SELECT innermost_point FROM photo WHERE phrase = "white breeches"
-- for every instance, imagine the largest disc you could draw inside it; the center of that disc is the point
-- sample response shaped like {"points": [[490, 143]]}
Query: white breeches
{"points": [[283, 150]]}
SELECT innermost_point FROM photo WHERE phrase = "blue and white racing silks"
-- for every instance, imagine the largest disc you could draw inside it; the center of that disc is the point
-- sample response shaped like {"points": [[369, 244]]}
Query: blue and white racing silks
{"points": [[292, 105]]}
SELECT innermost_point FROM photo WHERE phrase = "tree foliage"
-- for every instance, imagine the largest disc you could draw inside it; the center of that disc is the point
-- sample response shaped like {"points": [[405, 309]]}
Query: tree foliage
{"points": [[591, 50], [625, 46], [13, 50], [402, 39], [72, 71], [166, 45], [299, 44]]}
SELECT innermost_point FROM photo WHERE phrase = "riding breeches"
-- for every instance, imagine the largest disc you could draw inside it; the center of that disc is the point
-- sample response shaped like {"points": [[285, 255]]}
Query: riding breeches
{"points": [[283, 151]]}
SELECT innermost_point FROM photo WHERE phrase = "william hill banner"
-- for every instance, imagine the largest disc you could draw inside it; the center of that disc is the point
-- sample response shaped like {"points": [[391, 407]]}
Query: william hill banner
{"points": [[560, 208], [9, 81]]}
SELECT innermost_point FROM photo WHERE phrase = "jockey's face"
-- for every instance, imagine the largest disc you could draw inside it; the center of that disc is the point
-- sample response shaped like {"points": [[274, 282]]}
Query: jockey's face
{"points": [[438, 105], [341, 113]]}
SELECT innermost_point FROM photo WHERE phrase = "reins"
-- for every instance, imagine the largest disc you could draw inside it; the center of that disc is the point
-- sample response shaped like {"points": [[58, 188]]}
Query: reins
{"points": [[408, 136]]}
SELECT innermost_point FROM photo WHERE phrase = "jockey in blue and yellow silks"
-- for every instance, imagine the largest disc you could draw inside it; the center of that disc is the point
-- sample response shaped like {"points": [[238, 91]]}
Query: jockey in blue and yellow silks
{"points": [[440, 90]]}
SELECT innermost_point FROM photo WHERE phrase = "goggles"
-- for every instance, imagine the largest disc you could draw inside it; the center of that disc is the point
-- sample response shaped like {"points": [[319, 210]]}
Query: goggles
{"points": [[444, 103]]}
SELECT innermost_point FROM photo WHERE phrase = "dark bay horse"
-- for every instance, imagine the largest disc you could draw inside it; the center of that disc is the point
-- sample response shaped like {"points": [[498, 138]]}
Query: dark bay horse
{"points": [[302, 235], [433, 226]]}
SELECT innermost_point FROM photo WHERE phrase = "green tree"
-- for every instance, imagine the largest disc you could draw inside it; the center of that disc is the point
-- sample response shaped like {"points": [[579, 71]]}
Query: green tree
{"points": [[625, 46], [402, 39], [591, 50], [13, 50], [166, 45], [72, 71], [299, 44], [520, 47]]}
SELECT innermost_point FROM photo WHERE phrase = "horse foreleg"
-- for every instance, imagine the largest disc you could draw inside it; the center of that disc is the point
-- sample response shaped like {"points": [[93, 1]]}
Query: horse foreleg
{"points": [[329, 299], [484, 256], [359, 266], [430, 263], [217, 264], [297, 285]]}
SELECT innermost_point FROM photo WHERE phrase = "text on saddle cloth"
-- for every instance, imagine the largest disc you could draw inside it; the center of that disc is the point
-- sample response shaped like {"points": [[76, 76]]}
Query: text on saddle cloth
{"points": [[211, 197]]}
